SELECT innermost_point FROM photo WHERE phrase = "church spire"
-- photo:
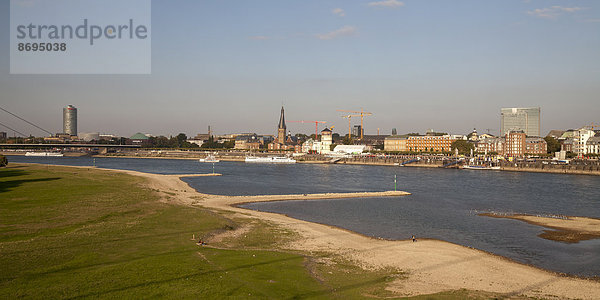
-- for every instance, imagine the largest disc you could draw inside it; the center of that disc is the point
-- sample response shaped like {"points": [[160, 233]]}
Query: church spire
{"points": [[281, 128], [281, 121]]}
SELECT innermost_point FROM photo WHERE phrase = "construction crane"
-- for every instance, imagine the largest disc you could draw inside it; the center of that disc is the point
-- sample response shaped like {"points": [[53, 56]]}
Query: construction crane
{"points": [[593, 126], [316, 125], [350, 126], [360, 113]]}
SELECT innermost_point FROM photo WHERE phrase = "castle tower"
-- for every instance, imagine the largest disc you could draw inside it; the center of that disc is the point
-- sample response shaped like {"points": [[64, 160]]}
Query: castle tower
{"points": [[281, 128], [326, 140]]}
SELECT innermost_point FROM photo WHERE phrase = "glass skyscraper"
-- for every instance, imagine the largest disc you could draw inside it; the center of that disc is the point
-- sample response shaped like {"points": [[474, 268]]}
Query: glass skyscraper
{"points": [[521, 119]]}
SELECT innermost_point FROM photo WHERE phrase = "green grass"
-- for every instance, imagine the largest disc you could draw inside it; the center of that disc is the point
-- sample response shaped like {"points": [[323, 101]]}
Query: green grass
{"points": [[87, 233], [70, 233]]}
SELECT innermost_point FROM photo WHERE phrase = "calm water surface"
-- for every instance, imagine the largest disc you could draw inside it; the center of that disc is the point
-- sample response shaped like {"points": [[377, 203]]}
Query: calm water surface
{"points": [[444, 203]]}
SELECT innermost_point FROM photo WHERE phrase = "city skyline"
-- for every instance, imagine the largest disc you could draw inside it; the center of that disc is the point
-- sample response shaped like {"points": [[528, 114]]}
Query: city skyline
{"points": [[416, 65]]}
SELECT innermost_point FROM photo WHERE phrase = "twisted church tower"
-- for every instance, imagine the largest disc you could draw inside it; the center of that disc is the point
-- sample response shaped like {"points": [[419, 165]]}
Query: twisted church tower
{"points": [[281, 129]]}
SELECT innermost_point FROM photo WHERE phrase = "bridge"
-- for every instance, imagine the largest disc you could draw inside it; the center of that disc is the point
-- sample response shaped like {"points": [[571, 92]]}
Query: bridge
{"points": [[410, 161], [46, 146], [453, 163], [99, 148]]}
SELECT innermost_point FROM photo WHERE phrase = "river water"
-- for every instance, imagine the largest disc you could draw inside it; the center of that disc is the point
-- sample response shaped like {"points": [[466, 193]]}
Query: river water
{"points": [[444, 204]]}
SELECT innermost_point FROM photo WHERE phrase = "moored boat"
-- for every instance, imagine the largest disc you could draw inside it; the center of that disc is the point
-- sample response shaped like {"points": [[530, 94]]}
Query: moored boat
{"points": [[209, 159], [480, 167], [44, 154], [270, 159]]}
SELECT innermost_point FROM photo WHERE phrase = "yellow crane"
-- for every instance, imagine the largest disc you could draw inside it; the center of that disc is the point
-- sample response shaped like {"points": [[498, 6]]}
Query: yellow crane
{"points": [[360, 114], [350, 126], [593, 125]]}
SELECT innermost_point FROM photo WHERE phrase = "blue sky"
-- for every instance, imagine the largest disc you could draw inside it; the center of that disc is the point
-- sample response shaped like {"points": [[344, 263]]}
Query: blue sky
{"points": [[416, 64]]}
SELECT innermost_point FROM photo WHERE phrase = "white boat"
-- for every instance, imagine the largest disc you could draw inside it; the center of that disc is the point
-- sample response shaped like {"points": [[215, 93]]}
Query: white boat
{"points": [[209, 159], [270, 160], [478, 167], [44, 154]]}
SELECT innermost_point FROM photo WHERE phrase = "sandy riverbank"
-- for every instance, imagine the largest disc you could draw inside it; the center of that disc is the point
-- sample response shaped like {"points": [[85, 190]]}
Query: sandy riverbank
{"points": [[566, 229], [431, 265]]}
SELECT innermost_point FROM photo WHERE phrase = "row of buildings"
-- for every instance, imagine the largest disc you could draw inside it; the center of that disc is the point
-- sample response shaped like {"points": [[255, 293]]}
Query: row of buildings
{"points": [[287, 142], [514, 143], [580, 141], [430, 142], [284, 140], [519, 135]]}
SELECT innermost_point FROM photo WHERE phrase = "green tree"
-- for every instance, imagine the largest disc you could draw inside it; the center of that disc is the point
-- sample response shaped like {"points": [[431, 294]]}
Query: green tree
{"points": [[463, 146], [162, 142], [3, 161], [212, 144], [347, 140], [553, 144], [302, 136], [181, 139]]}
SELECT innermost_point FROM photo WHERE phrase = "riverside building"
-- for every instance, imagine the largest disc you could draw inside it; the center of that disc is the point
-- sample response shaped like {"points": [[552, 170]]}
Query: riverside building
{"points": [[580, 140], [430, 143], [395, 143], [593, 145], [322, 147], [515, 143]]}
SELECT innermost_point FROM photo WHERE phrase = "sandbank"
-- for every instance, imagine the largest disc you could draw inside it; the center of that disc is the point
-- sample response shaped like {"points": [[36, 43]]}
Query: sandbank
{"points": [[566, 229]]}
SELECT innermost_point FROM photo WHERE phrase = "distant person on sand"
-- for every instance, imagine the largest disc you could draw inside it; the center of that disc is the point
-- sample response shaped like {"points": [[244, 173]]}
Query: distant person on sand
{"points": [[414, 238]]}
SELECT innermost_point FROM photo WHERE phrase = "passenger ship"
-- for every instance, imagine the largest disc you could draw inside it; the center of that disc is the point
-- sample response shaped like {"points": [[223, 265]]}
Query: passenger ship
{"points": [[44, 154], [209, 159], [480, 167], [270, 159]]}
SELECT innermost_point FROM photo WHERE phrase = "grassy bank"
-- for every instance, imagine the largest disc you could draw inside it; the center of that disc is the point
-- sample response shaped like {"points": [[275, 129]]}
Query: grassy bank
{"points": [[77, 232], [86, 233]]}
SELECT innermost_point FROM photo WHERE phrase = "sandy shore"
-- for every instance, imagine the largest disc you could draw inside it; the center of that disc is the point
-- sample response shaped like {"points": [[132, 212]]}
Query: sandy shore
{"points": [[432, 266], [566, 229]]}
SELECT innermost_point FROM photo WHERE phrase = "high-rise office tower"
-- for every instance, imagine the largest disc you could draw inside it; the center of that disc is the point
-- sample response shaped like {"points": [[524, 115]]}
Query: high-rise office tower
{"points": [[70, 120], [521, 119]]}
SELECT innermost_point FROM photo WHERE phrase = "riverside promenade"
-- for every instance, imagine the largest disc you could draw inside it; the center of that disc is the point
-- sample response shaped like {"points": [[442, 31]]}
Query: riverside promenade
{"points": [[575, 166]]}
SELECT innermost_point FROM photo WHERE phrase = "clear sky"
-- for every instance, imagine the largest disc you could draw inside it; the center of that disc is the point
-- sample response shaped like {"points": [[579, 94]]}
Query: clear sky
{"points": [[415, 64]]}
